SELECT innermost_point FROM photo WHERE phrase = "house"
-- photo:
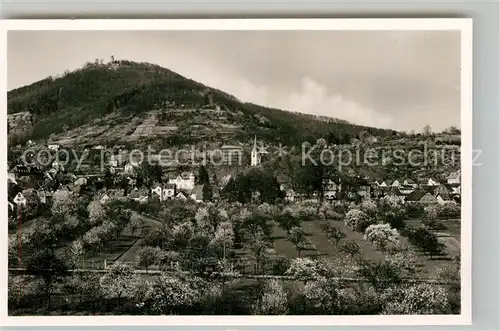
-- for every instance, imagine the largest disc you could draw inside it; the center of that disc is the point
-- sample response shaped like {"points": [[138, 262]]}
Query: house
{"points": [[454, 178], [383, 184], [140, 196], [197, 193], [104, 198], [290, 193], [410, 182], [364, 191], [443, 198], [168, 192], [54, 147], [45, 196], [432, 182], [80, 181], [224, 180], [441, 190], [57, 166], [42, 195], [396, 192], [184, 181], [421, 197], [415, 196], [21, 170], [428, 199], [116, 194], [330, 189], [157, 191], [181, 196], [129, 169], [406, 189], [113, 162], [99, 147], [454, 189], [396, 183], [20, 200], [52, 173], [12, 177]]}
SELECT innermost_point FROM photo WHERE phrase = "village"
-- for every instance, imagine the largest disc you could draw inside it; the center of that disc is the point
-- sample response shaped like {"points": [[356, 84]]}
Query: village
{"points": [[119, 181]]}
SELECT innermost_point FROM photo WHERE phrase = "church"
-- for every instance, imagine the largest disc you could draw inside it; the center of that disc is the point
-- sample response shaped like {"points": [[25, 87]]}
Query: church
{"points": [[256, 154]]}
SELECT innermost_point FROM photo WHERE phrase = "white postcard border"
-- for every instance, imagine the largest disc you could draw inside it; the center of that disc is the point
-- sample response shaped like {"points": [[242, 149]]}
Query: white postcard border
{"points": [[464, 25]]}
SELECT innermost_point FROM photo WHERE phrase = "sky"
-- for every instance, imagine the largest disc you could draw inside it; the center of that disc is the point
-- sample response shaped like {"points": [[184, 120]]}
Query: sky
{"points": [[401, 80]]}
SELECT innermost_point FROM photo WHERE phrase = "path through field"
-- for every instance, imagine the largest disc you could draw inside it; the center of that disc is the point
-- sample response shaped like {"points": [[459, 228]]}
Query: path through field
{"points": [[129, 254]]}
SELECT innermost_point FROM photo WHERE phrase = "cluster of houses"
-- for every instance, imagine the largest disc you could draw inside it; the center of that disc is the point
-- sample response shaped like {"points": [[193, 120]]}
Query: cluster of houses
{"points": [[55, 183], [429, 191]]}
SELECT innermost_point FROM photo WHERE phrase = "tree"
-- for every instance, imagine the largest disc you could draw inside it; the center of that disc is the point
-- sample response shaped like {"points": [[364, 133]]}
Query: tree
{"points": [[203, 177], [351, 248], [381, 235], [297, 238], [33, 205], [49, 267], [136, 222], [322, 296], [452, 130], [148, 256], [426, 240], [119, 281], [77, 251], [257, 245], [303, 269], [170, 295], [357, 220], [390, 210], [273, 300], [223, 237], [427, 131], [207, 192], [333, 233], [96, 212], [369, 207], [421, 299]]}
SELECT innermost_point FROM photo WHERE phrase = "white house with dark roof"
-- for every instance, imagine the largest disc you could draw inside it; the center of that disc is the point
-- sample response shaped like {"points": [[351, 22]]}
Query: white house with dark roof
{"points": [[184, 181], [454, 178], [20, 200], [54, 147], [432, 182]]}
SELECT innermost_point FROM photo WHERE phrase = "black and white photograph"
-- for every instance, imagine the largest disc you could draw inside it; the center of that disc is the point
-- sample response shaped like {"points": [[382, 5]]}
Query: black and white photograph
{"points": [[238, 169]]}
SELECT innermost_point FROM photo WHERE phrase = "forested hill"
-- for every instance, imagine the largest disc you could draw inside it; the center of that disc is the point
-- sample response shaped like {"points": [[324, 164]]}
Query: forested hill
{"points": [[123, 95]]}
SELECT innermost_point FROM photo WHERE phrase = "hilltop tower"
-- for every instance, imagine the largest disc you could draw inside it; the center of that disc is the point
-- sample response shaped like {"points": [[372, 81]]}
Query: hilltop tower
{"points": [[255, 156]]}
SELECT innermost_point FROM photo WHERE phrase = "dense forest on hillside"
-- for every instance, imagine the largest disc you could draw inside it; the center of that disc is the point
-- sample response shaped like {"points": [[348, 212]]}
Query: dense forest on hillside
{"points": [[129, 89]]}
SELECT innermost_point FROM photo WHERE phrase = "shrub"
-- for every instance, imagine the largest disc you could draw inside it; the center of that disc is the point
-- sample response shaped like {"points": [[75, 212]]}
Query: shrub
{"points": [[425, 240], [357, 220], [273, 301], [418, 299], [381, 235]]}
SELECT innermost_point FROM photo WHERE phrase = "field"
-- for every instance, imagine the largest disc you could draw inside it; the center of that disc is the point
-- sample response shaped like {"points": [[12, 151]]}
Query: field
{"points": [[124, 248], [321, 246]]}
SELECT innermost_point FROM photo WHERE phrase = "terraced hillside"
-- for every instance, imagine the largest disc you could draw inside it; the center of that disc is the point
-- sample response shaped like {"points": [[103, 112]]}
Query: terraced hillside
{"points": [[131, 102]]}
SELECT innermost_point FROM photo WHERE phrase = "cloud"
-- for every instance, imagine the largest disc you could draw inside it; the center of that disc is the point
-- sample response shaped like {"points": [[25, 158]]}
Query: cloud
{"points": [[312, 98]]}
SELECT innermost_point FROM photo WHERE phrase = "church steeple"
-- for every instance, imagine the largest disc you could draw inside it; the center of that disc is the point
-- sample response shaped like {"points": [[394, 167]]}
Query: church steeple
{"points": [[255, 157]]}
